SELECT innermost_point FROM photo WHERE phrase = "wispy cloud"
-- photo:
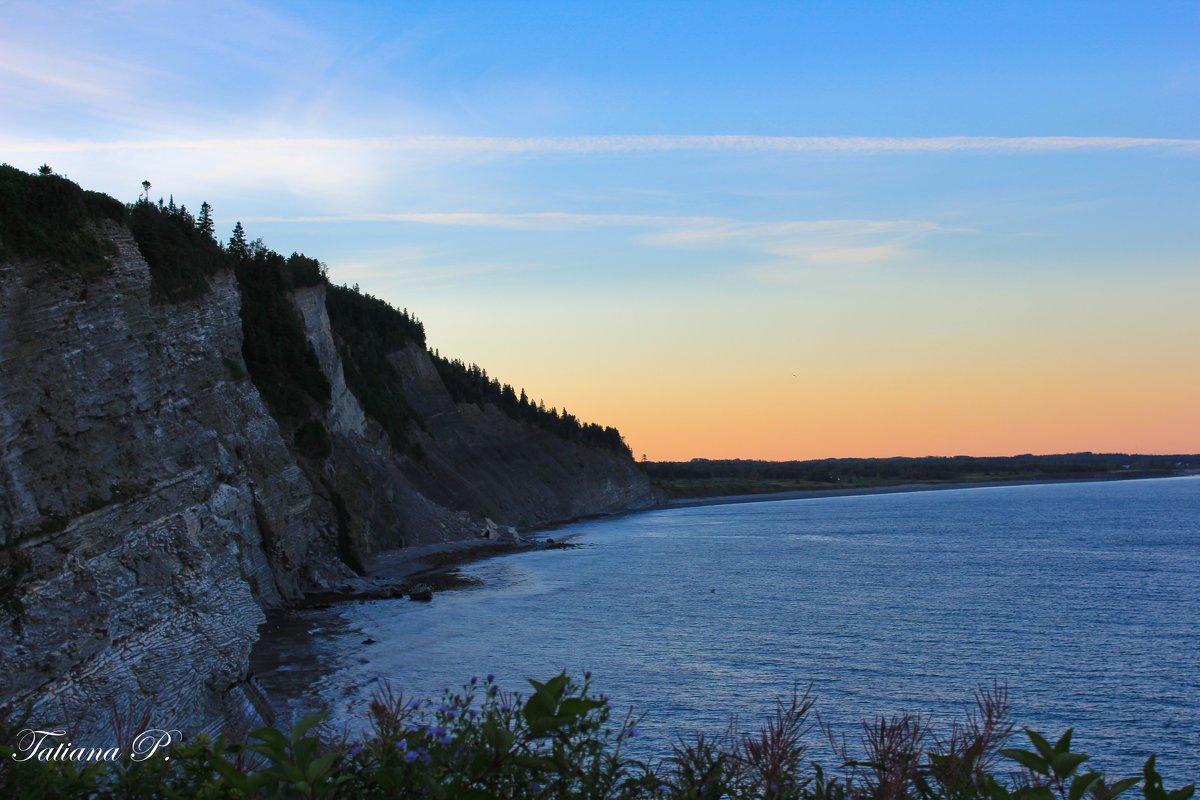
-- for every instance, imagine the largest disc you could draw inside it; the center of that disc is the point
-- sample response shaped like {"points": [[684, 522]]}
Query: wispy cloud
{"points": [[630, 144], [674, 230], [781, 249], [413, 265], [531, 220]]}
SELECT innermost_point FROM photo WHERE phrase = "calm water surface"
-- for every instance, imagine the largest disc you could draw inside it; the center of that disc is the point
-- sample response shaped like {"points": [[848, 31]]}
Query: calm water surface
{"points": [[1083, 598]]}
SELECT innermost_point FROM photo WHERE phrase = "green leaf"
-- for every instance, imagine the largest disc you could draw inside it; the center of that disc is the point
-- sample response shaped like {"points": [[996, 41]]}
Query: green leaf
{"points": [[235, 777], [305, 723], [1120, 786], [320, 766], [538, 763], [271, 737], [1083, 784], [1184, 793], [557, 685], [992, 788], [1040, 743], [578, 706], [1065, 764], [538, 704], [1034, 793], [1027, 759], [543, 725], [1064, 742]]}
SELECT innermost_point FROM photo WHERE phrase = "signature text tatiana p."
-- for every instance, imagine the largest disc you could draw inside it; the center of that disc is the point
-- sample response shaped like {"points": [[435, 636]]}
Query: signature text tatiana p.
{"points": [[32, 744]]}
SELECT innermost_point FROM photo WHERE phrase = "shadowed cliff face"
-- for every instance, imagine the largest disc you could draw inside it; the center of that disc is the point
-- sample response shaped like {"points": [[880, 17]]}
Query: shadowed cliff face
{"points": [[151, 507], [471, 463], [480, 459]]}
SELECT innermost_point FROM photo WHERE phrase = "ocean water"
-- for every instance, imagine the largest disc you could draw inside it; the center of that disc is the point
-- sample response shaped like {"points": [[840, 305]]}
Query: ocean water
{"points": [[1084, 599]]}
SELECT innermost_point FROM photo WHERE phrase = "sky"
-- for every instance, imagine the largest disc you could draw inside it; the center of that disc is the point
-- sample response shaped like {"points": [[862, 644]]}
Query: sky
{"points": [[730, 229]]}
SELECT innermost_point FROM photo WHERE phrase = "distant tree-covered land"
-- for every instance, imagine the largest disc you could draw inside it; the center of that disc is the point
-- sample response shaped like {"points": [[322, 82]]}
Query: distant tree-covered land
{"points": [[703, 477]]}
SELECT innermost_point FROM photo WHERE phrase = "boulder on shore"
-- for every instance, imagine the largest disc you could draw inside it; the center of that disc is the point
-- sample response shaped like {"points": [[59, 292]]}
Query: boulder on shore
{"points": [[500, 533]]}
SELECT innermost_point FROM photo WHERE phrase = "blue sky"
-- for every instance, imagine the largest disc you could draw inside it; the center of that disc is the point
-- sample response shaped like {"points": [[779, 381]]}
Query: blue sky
{"points": [[618, 205]]}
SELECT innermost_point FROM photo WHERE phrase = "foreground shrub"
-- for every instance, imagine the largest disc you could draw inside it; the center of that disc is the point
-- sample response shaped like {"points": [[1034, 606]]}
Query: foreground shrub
{"points": [[563, 741]]}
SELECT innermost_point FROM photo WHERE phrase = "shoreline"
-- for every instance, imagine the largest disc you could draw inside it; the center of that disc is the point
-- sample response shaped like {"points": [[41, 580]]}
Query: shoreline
{"points": [[904, 488], [392, 574]]}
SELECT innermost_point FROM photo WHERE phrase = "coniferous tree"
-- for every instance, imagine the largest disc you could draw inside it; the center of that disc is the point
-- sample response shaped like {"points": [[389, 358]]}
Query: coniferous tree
{"points": [[204, 222], [44, 169], [237, 242], [146, 188]]}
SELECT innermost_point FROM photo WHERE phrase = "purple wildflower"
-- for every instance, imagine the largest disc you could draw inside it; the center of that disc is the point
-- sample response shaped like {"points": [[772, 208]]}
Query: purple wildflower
{"points": [[410, 756], [402, 745]]}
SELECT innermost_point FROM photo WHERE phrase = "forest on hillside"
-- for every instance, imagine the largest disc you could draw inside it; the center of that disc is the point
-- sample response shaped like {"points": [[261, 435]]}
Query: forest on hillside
{"points": [[703, 477]]}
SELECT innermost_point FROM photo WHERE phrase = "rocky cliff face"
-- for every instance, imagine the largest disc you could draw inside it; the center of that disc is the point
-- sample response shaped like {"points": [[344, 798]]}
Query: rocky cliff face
{"points": [[480, 459], [151, 507]]}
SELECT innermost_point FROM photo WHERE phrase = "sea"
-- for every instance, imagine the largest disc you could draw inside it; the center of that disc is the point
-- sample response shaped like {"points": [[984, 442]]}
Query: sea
{"points": [[1081, 599]]}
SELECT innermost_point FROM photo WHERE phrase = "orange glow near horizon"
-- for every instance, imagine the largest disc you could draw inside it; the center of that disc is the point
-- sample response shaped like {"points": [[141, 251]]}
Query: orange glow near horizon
{"points": [[879, 415], [1100, 368]]}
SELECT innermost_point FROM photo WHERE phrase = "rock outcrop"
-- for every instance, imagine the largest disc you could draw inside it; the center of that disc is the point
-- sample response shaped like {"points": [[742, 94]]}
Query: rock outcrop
{"points": [[152, 508]]}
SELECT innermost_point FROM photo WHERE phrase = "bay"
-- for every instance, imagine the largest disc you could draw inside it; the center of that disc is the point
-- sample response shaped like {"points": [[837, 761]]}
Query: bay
{"points": [[1083, 599]]}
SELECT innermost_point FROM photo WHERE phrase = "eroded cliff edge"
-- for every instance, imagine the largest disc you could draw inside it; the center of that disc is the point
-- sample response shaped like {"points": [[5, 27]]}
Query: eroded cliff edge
{"points": [[157, 495]]}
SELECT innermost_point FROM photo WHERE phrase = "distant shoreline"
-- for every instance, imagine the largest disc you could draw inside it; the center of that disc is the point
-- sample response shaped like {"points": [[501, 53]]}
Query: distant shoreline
{"points": [[813, 494], [391, 573]]}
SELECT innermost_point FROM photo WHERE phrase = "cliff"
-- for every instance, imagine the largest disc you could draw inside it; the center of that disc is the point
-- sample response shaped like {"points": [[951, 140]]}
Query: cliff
{"points": [[181, 449]]}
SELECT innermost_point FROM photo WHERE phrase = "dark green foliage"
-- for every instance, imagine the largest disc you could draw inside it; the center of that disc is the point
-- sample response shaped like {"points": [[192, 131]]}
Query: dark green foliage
{"points": [[47, 216], [705, 476], [275, 348], [181, 258], [562, 741], [238, 248], [366, 330], [390, 328], [471, 384], [204, 221], [305, 271], [312, 440]]}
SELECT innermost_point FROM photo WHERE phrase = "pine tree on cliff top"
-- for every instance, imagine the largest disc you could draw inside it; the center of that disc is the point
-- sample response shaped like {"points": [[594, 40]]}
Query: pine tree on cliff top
{"points": [[237, 242], [204, 222]]}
